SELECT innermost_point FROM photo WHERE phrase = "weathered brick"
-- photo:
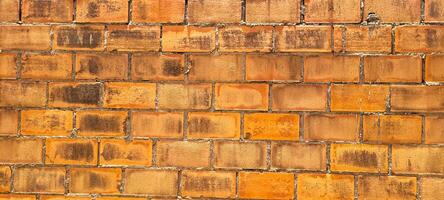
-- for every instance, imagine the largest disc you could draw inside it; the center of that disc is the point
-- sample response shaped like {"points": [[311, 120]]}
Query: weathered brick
{"points": [[157, 67], [271, 126], [432, 188], [102, 66], [417, 98], [273, 11], [208, 184], [133, 38], [102, 11], [15, 93], [241, 96], [246, 38], [47, 10], [21, 151], [256, 185], [46, 122], [303, 38], [8, 66], [183, 154], [287, 97], [433, 70], [389, 10], [8, 122], [332, 127], [17, 197], [216, 67], [434, 131], [79, 37], [151, 182], [332, 11], [426, 39], [213, 125], [95, 180], [25, 37], [71, 151], [325, 186], [233, 154], [331, 68], [359, 158], [62, 197], [272, 67], [66, 94], [371, 98], [129, 95], [393, 69], [433, 11], [9, 11], [392, 128], [121, 198], [101, 123], [214, 11], [157, 125], [363, 39], [417, 159], [42, 179], [188, 38], [298, 156], [121, 152], [55, 66], [184, 96], [390, 187], [5, 179], [158, 11]]}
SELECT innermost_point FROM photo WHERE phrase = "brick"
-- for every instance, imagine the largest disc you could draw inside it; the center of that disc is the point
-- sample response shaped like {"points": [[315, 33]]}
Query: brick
{"points": [[331, 68], [24, 37], [9, 11], [216, 67], [214, 11], [121, 152], [69, 94], [42, 179], [370, 98], [184, 96], [213, 125], [331, 127], [8, 66], [26, 94], [158, 11], [298, 156], [427, 39], [16, 197], [133, 38], [434, 131], [325, 186], [208, 184], [433, 69], [332, 11], [388, 10], [46, 122], [433, 11], [272, 67], [391, 187], [62, 197], [47, 11], [359, 158], [183, 154], [21, 151], [285, 97], [303, 38], [272, 11], [152, 182], [5, 179], [417, 159], [102, 11], [392, 128], [233, 154], [363, 39], [55, 66], [246, 38], [71, 151], [101, 123], [188, 38], [241, 96], [432, 188], [157, 67], [129, 95], [387, 69], [8, 122], [102, 66], [256, 185], [417, 98], [79, 37], [157, 125], [95, 180], [271, 126], [121, 198]]}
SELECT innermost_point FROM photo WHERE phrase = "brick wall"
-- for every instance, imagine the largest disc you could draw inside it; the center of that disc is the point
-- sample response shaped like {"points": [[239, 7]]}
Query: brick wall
{"points": [[237, 99]]}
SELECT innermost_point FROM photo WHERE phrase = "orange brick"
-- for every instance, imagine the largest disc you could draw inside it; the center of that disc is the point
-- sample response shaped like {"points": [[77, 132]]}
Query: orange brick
{"points": [[101, 123], [233, 154], [14, 93], [371, 98], [433, 70], [55, 66], [391, 187], [208, 184], [79, 37], [272, 11], [129, 95], [183, 154], [8, 66], [8, 122], [267, 185], [5, 179], [298, 156], [392, 128], [417, 98], [42, 179], [102, 66], [271, 126], [287, 97], [121, 198], [246, 38], [359, 158], [213, 125], [188, 38], [434, 131], [271, 67], [62, 197], [331, 127], [241, 96], [433, 11], [158, 11], [95, 180], [325, 186], [21, 151], [303, 38], [432, 188], [47, 11], [214, 11], [74, 94], [157, 67], [389, 10], [157, 125], [363, 39], [152, 182], [393, 69], [332, 11], [133, 38], [17, 197], [46, 122], [25, 37], [102, 11], [9, 11], [184, 96], [427, 39], [121, 152], [71, 151], [216, 67], [417, 159], [331, 68]]}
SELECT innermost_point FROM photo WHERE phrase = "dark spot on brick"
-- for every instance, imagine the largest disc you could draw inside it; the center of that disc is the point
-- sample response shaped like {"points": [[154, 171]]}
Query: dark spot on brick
{"points": [[207, 183], [247, 135], [372, 18], [83, 93], [98, 123], [172, 68], [97, 181], [200, 125], [294, 67], [38, 182], [83, 37], [253, 39], [111, 152], [41, 8], [401, 189], [76, 151], [434, 10], [126, 34], [431, 38], [360, 158], [305, 39], [199, 97], [203, 42], [93, 10]]}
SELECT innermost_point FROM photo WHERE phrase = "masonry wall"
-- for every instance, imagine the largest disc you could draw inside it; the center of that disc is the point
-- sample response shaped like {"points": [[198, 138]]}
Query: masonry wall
{"points": [[221, 99]]}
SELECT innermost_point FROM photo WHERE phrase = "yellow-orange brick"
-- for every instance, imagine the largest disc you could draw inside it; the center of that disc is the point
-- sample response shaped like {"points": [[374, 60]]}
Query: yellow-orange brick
{"points": [[298, 156], [71, 94], [417, 159], [71, 151], [333, 127], [331, 69], [21, 151], [303, 38], [47, 11], [157, 67], [217, 184], [393, 69], [9, 66], [57, 66], [325, 186], [102, 66], [434, 11], [233, 154], [25, 37], [434, 131], [371, 98], [95, 180], [359, 158], [216, 67], [273, 11], [133, 38], [101, 123], [46, 122], [271, 126], [246, 38], [433, 70], [15, 93], [391, 187], [392, 128], [214, 11], [417, 98], [121, 152], [287, 97], [241, 96], [213, 125], [5, 178], [267, 185], [332, 11], [432, 188], [46, 179], [9, 11], [17, 197], [427, 39], [183, 154], [158, 11], [102, 11], [151, 182], [129, 95], [388, 10], [181, 96], [270, 67], [188, 38], [8, 122], [363, 39], [157, 125]]}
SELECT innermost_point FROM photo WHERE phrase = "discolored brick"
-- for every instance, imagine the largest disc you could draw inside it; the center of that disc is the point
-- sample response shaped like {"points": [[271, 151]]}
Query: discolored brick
{"points": [[303, 38], [393, 69], [363, 39], [79, 37], [101, 123], [62, 197], [267, 185], [241, 96], [8, 66], [213, 125], [102, 66], [41, 179], [46, 122], [183, 154], [133, 38], [216, 67], [22, 94], [433, 130], [417, 159], [214, 11], [432, 188], [95, 180], [332, 11], [428, 39], [102, 11], [121, 152], [184, 96], [359, 158], [246, 38], [415, 98], [47, 10], [389, 187], [25, 37], [21, 151], [151, 182], [9, 11], [331, 68], [188, 38], [272, 11], [71, 151], [270, 67], [433, 70], [271, 126], [325, 186], [158, 11], [157, 67], [233, 154], [208, 184], [392, 129], [371, 98], [129, 95], [331, 127], [54, 66], [5, 178], [298, 156], [433, 11], [286, 97], [69, 94], [388, 10], [157, 125], [8, 122]]}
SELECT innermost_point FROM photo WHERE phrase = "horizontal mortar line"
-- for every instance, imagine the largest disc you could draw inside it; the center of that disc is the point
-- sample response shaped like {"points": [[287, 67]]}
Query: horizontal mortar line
{"points": [[206, 24]]}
